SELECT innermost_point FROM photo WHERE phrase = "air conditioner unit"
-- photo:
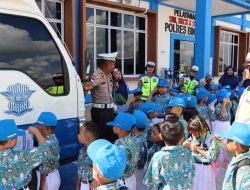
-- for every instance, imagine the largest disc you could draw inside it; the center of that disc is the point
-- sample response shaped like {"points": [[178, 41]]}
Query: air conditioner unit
{"points": [[127, 1]]}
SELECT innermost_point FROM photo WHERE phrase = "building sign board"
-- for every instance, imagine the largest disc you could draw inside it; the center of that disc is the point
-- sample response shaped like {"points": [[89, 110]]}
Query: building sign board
{"points": [[181, 22]]}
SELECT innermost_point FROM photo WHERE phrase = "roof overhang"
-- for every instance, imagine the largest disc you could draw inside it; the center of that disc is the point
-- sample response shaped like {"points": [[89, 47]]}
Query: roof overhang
{"points": [[219, 7]]}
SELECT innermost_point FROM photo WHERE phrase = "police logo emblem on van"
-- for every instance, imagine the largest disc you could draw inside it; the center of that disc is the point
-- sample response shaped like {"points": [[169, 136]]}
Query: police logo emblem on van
{"points": [[18, 96]]}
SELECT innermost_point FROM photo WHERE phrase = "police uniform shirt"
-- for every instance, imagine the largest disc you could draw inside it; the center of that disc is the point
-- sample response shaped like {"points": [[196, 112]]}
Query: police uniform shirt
{"points": [[102, 88]]}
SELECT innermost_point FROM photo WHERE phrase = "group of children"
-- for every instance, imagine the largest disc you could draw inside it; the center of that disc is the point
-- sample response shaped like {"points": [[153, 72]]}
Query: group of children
{"points": [[16, 166], [172, 141]]}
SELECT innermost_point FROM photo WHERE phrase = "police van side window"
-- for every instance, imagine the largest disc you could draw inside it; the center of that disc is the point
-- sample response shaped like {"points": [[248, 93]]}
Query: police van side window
{"points": [[27, 46]]}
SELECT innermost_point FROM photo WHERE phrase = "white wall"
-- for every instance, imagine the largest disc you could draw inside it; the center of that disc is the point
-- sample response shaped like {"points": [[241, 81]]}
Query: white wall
{"points": [[228, 25], [163, 37], [164, 13]]}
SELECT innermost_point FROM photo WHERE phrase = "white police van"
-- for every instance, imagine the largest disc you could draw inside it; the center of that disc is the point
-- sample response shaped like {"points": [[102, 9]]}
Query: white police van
{"points": [[37, 74]]}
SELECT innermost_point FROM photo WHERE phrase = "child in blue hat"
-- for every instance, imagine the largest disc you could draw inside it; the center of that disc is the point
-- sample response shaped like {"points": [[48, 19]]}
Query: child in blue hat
{"points": [[203, 110], [222, 124], [16, 167], [48, 175], [150, 109], [109, 163], [190, 106], [172, 166], [205, 149], [137, 102], [122, 126], [238, 171], [173, 92], [139, 136], [162, 97], [157, 144], [213, 89], [235, 103], [176, 107], [88, 133]]}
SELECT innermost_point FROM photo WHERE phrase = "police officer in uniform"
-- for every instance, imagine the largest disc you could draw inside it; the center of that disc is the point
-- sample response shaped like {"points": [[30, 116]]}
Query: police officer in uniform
{"points": [[189, 81], [58, 87], [102, 87], [148, 81]]}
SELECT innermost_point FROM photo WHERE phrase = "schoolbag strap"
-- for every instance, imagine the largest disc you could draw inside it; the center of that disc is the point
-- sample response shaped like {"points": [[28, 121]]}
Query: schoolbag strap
{"points": [[245, 162]]}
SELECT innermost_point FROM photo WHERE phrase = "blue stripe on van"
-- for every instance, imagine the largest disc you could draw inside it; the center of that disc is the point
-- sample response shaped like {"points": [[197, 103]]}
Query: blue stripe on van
{"points": [[66, 132]]}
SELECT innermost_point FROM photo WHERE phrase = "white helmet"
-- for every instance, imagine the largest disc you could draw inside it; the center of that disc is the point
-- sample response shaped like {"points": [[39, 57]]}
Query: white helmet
{"points": [[248, 57], [150, 63], [195, 68]]}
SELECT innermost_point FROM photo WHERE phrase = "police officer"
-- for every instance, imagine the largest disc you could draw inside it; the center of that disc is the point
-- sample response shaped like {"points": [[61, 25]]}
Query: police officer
{"points": [[102, 85], [189, 81], [58, 87], [148, 81]]}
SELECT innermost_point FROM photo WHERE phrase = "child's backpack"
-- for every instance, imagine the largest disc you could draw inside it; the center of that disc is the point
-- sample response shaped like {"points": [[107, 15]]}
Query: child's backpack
{"points": [[245, 162]]}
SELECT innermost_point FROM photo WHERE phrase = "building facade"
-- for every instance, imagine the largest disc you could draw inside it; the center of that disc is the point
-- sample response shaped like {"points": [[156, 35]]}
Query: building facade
{"points": [[147, 30]]}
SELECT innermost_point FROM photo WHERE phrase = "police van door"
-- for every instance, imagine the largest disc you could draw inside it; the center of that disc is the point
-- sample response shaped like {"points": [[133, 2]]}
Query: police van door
{"points": [[37, 75]]}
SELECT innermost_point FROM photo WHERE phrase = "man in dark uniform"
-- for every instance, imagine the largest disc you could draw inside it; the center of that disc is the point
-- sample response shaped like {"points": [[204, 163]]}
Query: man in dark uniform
{"points": [[102, 85]]}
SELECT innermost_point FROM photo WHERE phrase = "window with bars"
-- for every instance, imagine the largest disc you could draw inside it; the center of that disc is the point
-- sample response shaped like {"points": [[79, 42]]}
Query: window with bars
{"points": [[53, 11], [229, 47], [110, 31]]}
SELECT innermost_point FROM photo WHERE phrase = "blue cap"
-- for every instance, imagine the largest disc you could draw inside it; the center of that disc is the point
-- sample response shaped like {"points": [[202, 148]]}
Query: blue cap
{"points": [[232, 95], [47, 119], [227, 87], [8, 130], [239, 91], [124, 121], [201, 93], [222, 94], [109, 159], [201, 90], [190, 100], [211, 98], [175, 86], [141, 119], [137, 91], [239, 133], [163, 83], [150, 107], [176, 101], [214, 87], [174, 91]]}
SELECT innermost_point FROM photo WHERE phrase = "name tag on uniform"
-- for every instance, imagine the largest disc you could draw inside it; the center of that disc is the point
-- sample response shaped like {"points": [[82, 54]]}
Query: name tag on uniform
{"points": [[146, 80]]}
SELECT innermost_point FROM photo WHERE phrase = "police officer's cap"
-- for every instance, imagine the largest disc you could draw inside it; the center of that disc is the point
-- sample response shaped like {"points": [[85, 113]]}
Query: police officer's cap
{"points": [[150, 64], [108, 56], [195, 68]]}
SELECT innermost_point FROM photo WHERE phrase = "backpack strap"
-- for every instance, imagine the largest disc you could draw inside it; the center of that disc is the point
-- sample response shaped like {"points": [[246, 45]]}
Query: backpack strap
{"points": [[245, 162]]}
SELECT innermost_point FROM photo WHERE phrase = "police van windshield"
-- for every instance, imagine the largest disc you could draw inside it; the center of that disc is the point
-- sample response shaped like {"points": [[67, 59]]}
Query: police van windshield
{"points": [[27, 46]]}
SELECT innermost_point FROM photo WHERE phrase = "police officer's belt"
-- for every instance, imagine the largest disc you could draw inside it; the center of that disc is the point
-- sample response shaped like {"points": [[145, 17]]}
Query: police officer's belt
{"points": [[103, 106], [24, 187], [203, 163], [86, 181]]}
